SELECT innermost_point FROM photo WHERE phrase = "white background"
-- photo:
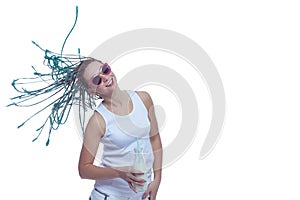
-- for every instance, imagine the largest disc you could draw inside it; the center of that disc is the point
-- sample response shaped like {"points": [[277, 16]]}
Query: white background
{"points": [[255, 46]]}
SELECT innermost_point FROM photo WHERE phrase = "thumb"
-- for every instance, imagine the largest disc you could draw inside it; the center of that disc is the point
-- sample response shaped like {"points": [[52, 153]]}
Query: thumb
{"points": [[146, 193]]}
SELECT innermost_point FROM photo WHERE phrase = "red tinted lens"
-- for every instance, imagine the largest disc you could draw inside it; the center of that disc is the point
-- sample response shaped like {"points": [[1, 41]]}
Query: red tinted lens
{"points": [[106, 69], [96, 80]]}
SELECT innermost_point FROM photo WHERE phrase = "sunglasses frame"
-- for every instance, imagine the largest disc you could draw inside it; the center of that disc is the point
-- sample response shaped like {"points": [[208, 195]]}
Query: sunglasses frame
{"points": [[91, 82]]}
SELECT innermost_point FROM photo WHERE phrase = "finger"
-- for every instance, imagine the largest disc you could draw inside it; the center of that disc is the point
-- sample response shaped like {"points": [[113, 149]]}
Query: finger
{"points": [[152, 196], [131, 186], [136, 179], [140, 183], [145, 194], [137, 173]]}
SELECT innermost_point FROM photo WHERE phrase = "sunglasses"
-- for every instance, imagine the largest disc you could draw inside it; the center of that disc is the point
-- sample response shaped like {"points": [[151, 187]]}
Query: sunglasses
{"points": [[96, 80]]}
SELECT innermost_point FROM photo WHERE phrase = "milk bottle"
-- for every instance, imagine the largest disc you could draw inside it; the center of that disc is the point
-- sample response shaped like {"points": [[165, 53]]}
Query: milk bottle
{"points": [[140, 165]]}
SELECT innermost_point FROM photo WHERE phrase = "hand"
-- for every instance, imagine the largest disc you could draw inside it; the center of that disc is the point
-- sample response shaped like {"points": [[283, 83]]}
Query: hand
{"points": [[152, 190], [129, 174]]}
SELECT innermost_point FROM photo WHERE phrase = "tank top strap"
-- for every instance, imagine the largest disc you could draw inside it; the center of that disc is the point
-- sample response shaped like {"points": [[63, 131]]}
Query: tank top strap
{"points": [[107, 116], [137, 102]]}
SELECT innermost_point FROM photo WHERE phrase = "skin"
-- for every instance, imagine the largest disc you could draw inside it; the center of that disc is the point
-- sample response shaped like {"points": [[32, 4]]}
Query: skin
{"points": [[118, 102]]}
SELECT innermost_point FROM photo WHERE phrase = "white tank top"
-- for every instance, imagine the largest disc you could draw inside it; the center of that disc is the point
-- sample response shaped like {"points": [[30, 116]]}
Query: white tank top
{"points": [[120, 143]]}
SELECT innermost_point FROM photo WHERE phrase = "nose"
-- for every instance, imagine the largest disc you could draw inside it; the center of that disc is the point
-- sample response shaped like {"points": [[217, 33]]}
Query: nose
{"points": [[103, 77]]}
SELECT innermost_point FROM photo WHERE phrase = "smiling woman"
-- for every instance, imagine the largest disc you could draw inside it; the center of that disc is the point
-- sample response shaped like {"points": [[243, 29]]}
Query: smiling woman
{"points": [[124, 122], [120, 122]]}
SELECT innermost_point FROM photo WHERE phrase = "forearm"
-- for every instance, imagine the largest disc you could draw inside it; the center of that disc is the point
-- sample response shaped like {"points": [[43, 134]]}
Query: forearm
{"points": [[158, 154], [157, 169], [93, 172]]}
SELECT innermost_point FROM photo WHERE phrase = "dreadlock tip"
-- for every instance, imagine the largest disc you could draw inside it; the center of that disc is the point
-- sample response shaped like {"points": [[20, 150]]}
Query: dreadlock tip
{"points": [[21, 125], [47, 143]]}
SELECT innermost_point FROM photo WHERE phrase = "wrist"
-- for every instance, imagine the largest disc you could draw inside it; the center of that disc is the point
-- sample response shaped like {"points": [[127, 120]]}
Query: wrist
{"points": [[157, 179], [157, 176], [116, 173]]}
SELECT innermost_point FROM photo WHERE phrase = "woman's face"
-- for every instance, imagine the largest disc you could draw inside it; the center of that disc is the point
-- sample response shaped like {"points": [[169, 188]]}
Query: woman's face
{"points": [[101, 80]]}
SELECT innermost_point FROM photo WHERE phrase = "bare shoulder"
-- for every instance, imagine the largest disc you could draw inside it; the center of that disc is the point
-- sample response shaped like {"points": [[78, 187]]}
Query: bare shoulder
{"points": [[146, 98], [96, 124]]}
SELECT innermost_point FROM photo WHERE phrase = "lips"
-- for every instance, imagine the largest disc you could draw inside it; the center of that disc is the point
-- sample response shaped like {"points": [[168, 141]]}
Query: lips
{"points": [[109, 83]]}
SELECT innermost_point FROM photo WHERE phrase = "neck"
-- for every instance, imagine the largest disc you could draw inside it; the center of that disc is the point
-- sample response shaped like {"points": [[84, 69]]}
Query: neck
{"points": [[118, 98]]}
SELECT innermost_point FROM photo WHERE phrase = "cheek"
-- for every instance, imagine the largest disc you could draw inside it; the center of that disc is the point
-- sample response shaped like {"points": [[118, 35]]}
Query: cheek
{"points": [[91, 90], [113, 75]]}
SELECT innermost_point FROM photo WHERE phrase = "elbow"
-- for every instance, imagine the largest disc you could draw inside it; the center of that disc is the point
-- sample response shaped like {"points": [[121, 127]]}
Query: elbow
{"points": [[82, 172], [81, 175]]}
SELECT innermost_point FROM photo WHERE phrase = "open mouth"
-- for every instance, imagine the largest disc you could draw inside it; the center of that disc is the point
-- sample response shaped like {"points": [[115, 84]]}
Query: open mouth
{"points": [[110, 82]]}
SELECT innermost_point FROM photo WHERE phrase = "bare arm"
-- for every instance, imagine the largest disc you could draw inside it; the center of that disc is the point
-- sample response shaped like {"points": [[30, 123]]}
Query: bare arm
{"points": [[93, 133], [154, 134]]}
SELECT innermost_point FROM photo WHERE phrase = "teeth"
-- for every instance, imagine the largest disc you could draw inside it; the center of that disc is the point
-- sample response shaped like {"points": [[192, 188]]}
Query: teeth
{"points": [[109, 83]]}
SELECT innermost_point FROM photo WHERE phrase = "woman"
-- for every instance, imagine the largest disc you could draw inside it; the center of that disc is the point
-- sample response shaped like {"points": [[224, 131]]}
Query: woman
{"points": [[121, 119], [124, 122]]}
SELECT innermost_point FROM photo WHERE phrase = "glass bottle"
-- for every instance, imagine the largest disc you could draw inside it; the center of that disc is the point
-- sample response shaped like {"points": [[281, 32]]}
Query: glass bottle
{"points": [[140, 165]]}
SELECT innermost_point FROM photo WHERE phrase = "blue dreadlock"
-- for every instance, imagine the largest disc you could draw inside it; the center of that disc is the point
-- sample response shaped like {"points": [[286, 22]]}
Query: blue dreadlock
{"points": [[61, 80]]}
